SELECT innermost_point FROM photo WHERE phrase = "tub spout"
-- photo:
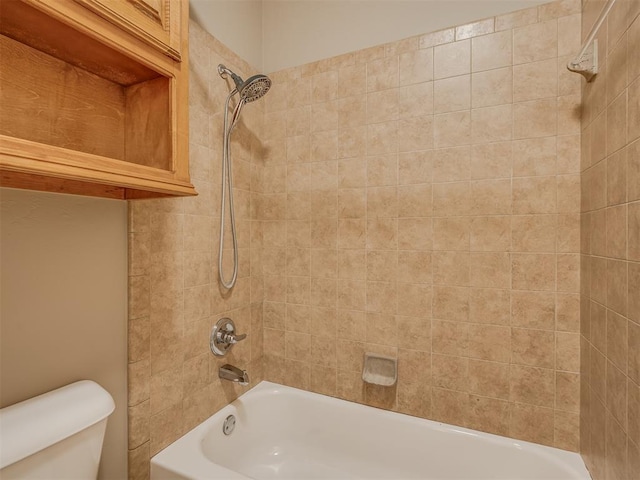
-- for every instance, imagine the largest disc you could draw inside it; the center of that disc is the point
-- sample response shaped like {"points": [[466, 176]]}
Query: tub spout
{"points": [[234, 374]]}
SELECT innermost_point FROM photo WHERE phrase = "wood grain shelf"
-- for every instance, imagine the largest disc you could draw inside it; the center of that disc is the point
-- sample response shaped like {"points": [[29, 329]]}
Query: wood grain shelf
{"points": [[84, 102]]}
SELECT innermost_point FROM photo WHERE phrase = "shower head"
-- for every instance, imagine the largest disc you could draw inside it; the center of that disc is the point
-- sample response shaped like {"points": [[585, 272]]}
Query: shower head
{"points": [[255, 87], [251, 89]]}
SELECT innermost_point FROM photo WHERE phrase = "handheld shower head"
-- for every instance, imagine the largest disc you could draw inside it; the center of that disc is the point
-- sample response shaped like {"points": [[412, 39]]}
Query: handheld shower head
{"points": [[255, 87], [250, 90]]}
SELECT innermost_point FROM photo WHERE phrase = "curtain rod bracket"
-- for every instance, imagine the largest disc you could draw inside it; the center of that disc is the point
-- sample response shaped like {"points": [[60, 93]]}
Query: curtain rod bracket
{"points": [[587, 64]]}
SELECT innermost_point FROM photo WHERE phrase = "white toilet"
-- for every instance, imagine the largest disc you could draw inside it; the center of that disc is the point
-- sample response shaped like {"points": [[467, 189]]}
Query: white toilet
{"points": [[57, 435]]}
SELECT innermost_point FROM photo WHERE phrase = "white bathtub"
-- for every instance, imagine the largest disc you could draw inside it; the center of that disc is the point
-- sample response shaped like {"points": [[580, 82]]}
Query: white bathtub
{"points": [[286, 433]]}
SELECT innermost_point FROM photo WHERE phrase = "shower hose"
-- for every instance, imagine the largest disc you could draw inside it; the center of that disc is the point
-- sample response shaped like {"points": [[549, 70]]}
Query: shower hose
{"points": [[227, 184]]}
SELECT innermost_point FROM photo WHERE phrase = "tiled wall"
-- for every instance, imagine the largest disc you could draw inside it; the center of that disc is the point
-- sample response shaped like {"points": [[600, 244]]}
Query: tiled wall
{"points": [[174, 298], [610, 263], [421, 200]]}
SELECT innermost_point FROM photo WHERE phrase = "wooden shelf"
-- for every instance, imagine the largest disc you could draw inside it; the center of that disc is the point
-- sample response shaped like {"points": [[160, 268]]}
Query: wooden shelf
{"points": [[78, 109]]}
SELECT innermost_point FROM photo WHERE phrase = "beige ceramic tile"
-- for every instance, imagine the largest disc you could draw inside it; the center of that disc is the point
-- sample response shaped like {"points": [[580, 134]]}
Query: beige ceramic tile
{"points": [[449, 406], [452, 129], [452, 94], [382, 105], [533, 233], [415, 233], [415, 100], [617, 124], [534, 195], [531, 385], [382, 138], [490, 269], [488, 305], [535, 80], [414, 266], [489, 342], [532, 347], [535, 42], [352, 80], [415, 133], [492, 87], [414, 399], [481, 27], [491, 51], [437, 38], [450, 268], [532, 423], [451, 164], [533, 309], [569, 30], [382, 74], [352, 173], [516, 19], [491, 124], [414, 201], [452, 59], [533, 271], [536, 118], [450, 372], [450, 303], [382, 233], [451, 233], [352, 110], [415, 168], [489, 379], [324, 86], [617, 178], [416, 66], [492, 233]]}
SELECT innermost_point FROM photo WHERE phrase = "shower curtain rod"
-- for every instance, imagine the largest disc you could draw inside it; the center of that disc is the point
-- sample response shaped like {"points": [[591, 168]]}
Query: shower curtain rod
{"points": [[586, 62]]}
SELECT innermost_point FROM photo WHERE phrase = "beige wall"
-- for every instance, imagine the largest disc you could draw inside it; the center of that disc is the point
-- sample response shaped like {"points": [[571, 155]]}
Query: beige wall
{"points": [[274, 34], [236, 23], [422, 201], [610, 266], [173, 272], [64, 306], [419, 199], [299, 32]]}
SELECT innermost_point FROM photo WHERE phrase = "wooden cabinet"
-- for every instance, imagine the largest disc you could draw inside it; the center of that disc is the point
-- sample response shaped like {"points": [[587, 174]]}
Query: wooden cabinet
{"points": [[156, 22], [94, 97]]}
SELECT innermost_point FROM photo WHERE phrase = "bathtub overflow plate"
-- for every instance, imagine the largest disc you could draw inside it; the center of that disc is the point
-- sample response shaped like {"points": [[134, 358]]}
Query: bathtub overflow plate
{"points": [[229, 424]]}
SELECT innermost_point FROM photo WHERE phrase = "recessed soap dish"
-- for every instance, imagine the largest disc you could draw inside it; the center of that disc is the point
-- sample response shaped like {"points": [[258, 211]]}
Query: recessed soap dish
{"points": [[380, 370]]}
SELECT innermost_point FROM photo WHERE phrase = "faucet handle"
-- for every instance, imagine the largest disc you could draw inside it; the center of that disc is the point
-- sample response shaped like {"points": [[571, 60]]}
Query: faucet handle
{"points": [[223, 337], [237, 338], [230, 338]]}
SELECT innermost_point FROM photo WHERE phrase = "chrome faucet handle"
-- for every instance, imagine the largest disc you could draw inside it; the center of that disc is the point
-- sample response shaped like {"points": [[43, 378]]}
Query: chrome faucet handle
{"points": [[230, 338], [223, 337]]}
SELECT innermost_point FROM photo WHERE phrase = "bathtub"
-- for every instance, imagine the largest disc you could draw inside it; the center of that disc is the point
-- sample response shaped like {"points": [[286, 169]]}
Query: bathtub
{"points": [[285, 433]]}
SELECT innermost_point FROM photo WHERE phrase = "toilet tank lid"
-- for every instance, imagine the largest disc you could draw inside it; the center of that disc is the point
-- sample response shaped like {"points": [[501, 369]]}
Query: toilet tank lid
{"points": [[34, 424]]}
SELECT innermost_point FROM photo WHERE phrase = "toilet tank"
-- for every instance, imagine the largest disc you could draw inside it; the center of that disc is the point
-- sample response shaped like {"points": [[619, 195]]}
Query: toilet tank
{"points": [[56, 435]]}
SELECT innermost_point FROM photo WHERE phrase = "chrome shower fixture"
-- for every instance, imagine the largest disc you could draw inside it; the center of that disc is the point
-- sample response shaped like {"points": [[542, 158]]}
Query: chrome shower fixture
{"points": [[250, 90]]}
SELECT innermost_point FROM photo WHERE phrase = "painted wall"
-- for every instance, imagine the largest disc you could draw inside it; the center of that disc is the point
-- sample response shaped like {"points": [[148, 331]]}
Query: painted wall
{"points": [[300, 32], [422, 202], [63, 302], [236, 23], [276, 34], [610, 262]]}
